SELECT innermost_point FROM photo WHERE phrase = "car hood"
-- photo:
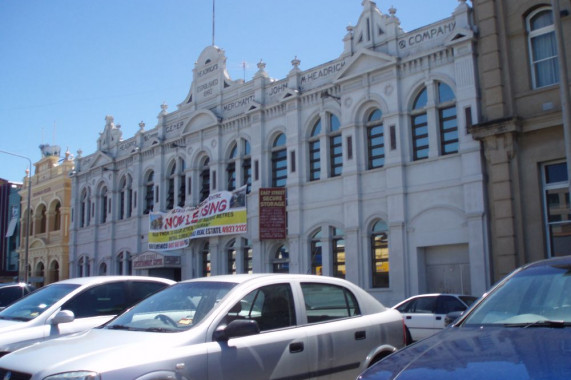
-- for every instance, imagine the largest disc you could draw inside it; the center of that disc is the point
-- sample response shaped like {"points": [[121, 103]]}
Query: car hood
{"points": [[95, 349], [482, 353]]}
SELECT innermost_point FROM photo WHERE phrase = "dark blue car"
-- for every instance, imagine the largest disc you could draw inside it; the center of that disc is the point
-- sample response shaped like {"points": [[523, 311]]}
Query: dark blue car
{"points": [[520, 329]]}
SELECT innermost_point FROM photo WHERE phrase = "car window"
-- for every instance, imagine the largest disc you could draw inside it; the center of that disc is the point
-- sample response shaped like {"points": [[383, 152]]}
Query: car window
{"points": [[271, 306], [324, 302], [139, 290], [37, 302], [103, 299], [9, 294], [447, 304], [176, 308], [468, 300], [419, 305]]}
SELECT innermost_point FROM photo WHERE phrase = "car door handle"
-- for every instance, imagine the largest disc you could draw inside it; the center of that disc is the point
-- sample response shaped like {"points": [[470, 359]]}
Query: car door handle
{"points": [[360, 335], [294, 348], [408, 317], [438, 318]]}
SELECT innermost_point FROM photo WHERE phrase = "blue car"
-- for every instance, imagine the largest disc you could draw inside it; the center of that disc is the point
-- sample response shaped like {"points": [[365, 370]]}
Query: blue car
{"points": [[520, 329]]}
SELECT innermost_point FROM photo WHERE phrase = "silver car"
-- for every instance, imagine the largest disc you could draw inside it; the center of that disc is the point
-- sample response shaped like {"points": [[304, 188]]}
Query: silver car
{"points": [[255, 327], [70, 306]]}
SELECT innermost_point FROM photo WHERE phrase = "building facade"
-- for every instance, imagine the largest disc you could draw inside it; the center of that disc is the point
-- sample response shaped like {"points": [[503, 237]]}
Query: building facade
{"points": [[384, 184], [9, 229], [50, 199], [521, 129]]}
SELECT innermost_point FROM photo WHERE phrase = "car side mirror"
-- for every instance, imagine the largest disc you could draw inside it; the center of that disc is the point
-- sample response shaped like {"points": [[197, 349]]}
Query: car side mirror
{"points": [[236, 329], [63, 316], [451, 317]]}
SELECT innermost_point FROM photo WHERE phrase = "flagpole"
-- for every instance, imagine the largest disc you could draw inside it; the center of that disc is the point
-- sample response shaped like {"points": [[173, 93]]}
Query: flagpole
{"points": [[213, 20]]}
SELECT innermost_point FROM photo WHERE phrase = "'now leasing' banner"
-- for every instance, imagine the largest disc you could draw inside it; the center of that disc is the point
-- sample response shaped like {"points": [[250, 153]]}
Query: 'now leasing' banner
{"points": [[222, 213]]}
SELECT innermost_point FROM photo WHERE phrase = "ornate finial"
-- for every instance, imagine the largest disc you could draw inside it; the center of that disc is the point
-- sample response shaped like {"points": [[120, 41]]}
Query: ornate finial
{"points": [[79, 153], [295, 62], [393, 11], [261, 65], [141, 126], [27, 172], [164, 107]]}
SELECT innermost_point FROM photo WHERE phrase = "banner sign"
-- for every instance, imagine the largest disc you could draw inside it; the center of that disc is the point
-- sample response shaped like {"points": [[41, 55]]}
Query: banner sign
{"points": [[272, 204], [222, 213]]}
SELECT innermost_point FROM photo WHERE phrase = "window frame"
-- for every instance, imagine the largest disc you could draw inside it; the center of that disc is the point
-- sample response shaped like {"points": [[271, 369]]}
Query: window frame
{"points": [[535, 34]]}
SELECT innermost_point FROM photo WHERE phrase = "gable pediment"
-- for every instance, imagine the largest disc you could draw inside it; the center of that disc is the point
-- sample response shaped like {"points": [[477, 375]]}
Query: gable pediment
{"points": [[365, 61], [99, 159]]}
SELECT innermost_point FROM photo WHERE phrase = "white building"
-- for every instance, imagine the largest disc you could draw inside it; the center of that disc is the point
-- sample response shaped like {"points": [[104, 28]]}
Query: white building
{"points": [[384, 184]]}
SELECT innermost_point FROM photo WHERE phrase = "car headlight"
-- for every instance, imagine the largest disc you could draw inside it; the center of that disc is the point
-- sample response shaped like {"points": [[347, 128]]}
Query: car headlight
{"points": [[77, 375]]}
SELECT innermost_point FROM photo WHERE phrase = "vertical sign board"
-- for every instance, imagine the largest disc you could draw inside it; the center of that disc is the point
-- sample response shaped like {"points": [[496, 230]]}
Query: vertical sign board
{"points": [[272, 201]]}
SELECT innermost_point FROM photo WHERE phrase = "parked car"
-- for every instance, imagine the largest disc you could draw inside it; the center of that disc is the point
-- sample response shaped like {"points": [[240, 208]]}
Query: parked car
{"points": [[425, 314], [255, 327], [12, 291], [70, 306], [521, 329]]}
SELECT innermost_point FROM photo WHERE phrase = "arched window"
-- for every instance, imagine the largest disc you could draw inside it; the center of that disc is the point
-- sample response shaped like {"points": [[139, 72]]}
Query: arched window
{"points": [[123, 263], [335, 147], [231, 168], [125, 197], [103, 205], [84, 209], [181, 183], [380, 255], [171, 186], [315, 152], [542, 48], [57, 216], [247, 256], [280, 263], [419, 122], [316, 249], [83, 269], [40, 273], [42, 218], [448, 123], [279, 161], [205, 179], [247, 167], [206, 262], [375, 140], [53, 273], [102, 269], [149, 192], [338, 251]]}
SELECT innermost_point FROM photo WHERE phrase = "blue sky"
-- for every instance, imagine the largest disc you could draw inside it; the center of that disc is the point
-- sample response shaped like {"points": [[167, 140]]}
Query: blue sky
{"points": [[66, 64]]}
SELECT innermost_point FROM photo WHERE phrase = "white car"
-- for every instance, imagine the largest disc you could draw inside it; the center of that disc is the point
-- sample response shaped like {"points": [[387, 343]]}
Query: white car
{"points": [[255, 327], [425, 314], [71, 306]]}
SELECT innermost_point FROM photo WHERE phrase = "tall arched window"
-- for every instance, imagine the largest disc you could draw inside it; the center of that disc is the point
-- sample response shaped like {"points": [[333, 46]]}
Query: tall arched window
{"points": [[53, 272], [335, 147], [542, 48], [171, 186], [83, 269], [419, 122], [231, 168], [125, 197], [57, 216], [247, 256], [205, 179], [102, 269], [279, 161], [103, 205], [247, 167], [338, 251], [448, 123], [231, 255], [316, 249], [380, 255], [375, 140], [181, 199], [280, 263], [42, 218], [315, 152], [149, 192], [85, 209]]}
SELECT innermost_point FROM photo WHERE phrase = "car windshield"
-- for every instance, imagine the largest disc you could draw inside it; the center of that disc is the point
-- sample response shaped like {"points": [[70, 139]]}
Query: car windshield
{"points": [[37, 302], [537, 296], [177, 308]]}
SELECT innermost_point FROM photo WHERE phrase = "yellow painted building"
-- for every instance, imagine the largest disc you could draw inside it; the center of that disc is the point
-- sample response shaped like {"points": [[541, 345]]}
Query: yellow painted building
{"points": [[47, 259]]}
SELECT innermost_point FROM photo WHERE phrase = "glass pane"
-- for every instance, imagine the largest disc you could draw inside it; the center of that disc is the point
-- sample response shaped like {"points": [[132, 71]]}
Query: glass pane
{"points": [[556, 173], [541, 20], [560, 239], [445, 93], [316, 129], [280, 140], [421, 100], [335, 124], [375, 115]]}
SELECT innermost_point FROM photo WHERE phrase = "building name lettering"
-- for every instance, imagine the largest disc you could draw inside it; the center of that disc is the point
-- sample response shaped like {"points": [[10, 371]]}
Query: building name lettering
{"points": [[127, 145], [277, 89], [427, 35], [238, 103], [43, 191], [207, 70], [174, 127], [323, 72]]}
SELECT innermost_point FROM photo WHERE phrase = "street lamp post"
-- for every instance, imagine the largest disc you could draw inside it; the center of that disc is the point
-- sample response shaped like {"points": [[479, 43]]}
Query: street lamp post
{"points": [[26, 257]]}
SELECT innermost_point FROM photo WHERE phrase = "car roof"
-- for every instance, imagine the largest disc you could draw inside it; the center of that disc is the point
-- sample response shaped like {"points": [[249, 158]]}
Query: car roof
{"points": [[565, 260], [241, 278], [104, 279]]}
